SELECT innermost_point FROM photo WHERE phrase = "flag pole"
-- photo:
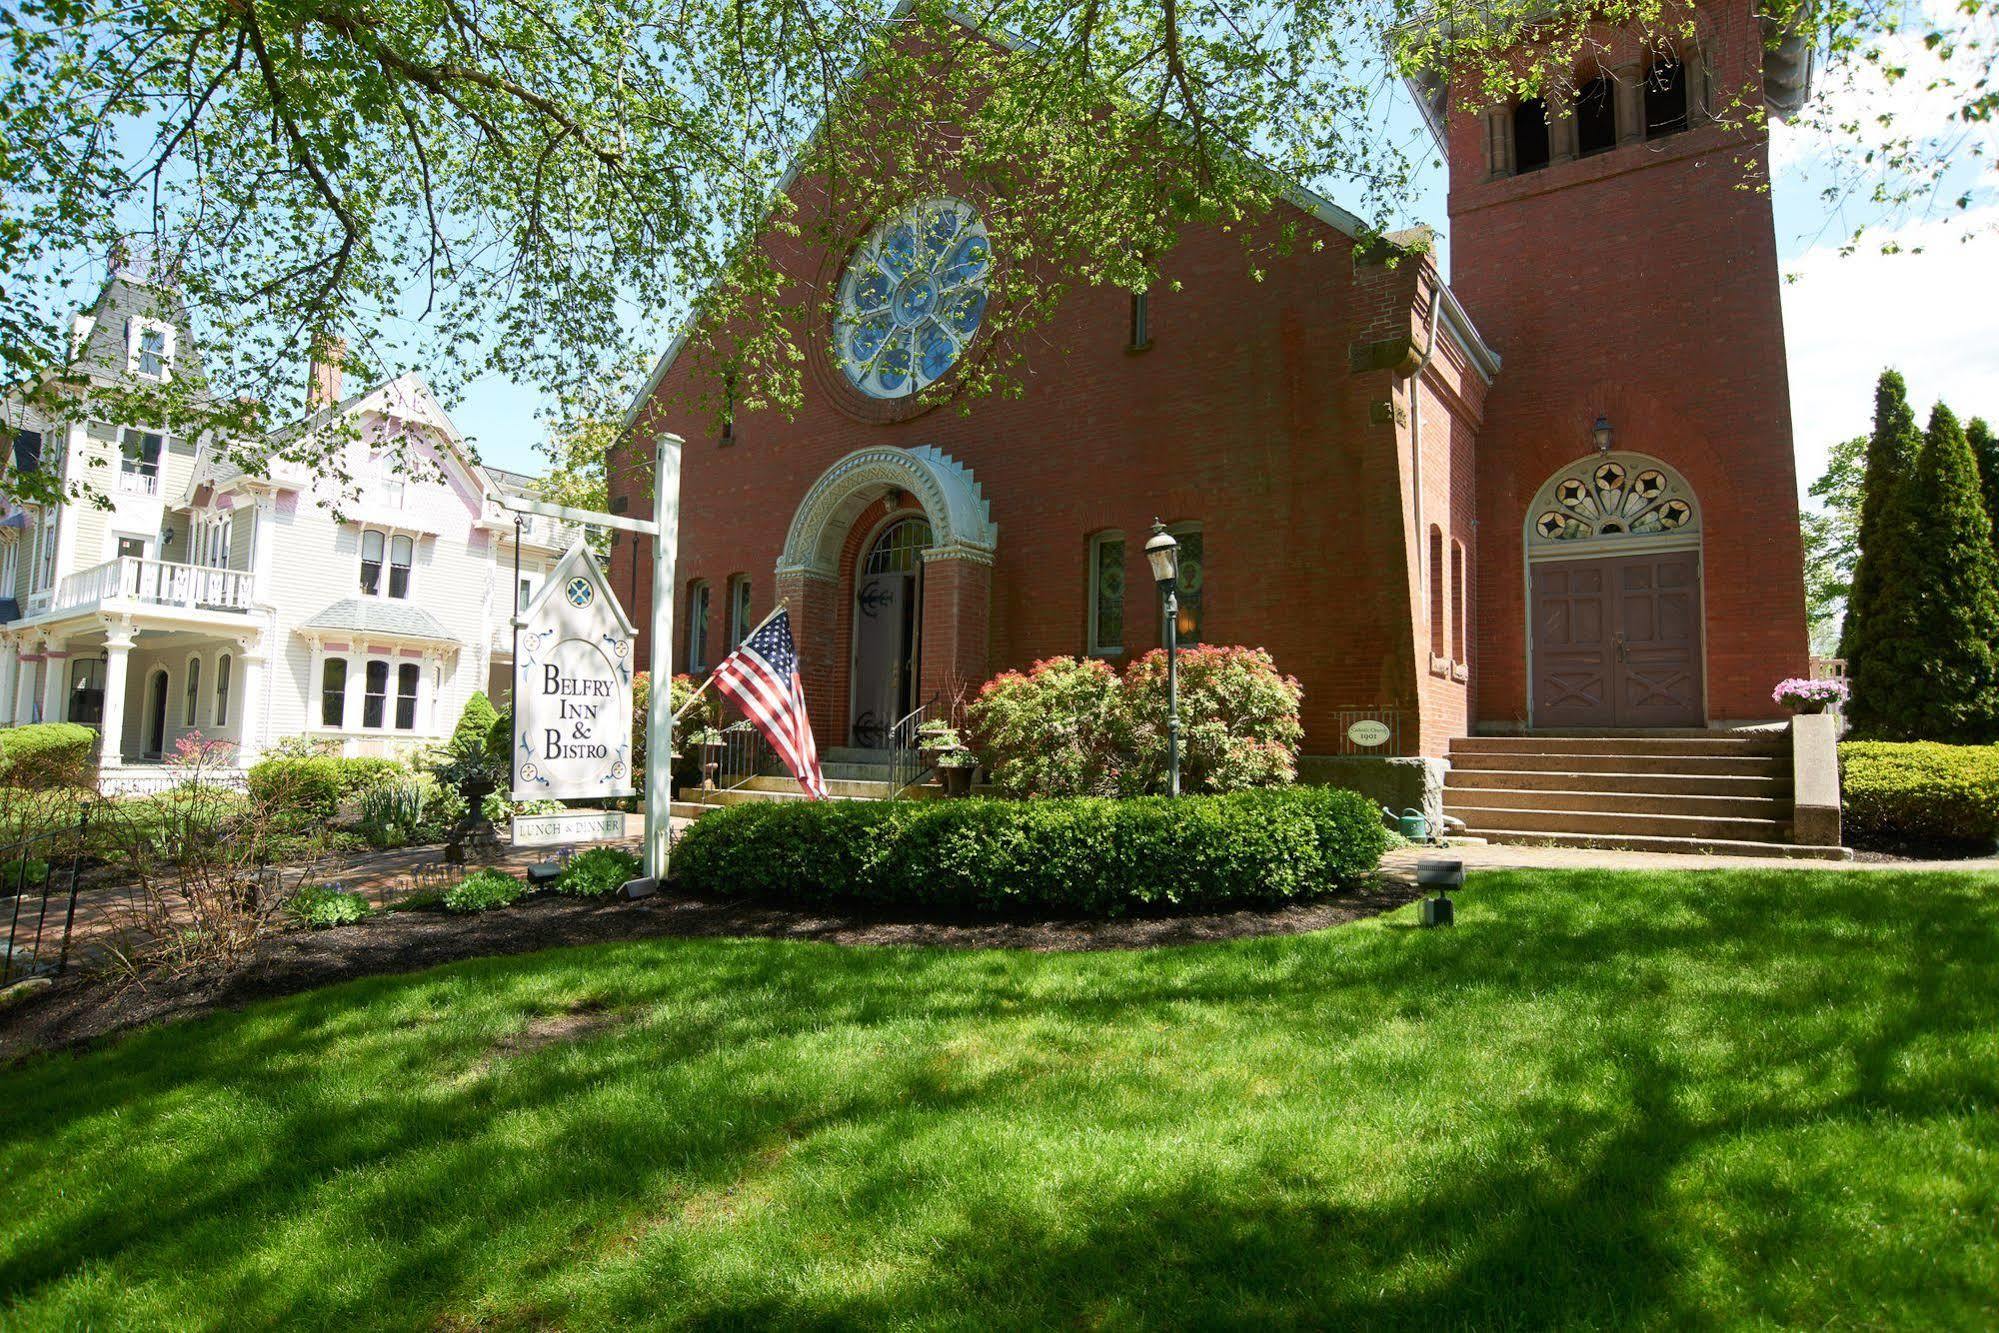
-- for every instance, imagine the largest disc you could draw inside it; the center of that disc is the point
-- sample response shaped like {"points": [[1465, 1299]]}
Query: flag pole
{"points": [[782, 603]]}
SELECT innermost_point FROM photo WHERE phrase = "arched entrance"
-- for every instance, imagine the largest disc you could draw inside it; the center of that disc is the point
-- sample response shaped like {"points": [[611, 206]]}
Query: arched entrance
{"points": [[887, 570], [1615, 619], [888, 620]]}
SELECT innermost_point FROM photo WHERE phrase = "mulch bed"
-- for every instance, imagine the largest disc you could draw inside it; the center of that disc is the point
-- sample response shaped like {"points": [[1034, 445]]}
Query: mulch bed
{"points": [[81, 1009]]}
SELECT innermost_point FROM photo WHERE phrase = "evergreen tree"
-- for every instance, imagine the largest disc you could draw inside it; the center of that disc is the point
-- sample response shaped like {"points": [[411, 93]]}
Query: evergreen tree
{"points": [[1986, 445], [1958, 593], [1882, 641]]}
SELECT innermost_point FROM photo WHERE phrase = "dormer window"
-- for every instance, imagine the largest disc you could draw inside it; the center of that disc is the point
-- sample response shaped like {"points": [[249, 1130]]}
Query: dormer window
{"points": [[398, 552], [149, 350], [139, 461]]}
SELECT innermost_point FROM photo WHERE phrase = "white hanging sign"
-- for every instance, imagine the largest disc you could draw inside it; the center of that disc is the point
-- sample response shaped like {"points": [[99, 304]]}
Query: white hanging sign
{"points": [[573, 688]]}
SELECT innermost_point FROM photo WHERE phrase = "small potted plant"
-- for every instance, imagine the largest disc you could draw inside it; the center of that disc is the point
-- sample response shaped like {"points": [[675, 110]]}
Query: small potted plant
{"points": [[956, 768], [1809, 696]]}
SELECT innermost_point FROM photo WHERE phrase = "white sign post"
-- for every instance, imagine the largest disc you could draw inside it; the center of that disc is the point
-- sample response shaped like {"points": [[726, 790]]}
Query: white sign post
{"points": [[664, 529], [573, 688]]}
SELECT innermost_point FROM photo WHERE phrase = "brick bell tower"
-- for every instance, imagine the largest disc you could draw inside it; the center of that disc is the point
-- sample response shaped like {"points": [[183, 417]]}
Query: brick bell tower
{"points": [[1640, 559]]}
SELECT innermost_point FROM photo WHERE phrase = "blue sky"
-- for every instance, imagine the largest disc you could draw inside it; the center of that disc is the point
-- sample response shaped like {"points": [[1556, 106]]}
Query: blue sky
{"points": [[1930, 311]]}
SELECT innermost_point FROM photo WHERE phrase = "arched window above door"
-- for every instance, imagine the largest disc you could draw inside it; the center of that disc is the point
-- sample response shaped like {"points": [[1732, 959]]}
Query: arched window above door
{"points": [[1611, 500], [900, 547]]}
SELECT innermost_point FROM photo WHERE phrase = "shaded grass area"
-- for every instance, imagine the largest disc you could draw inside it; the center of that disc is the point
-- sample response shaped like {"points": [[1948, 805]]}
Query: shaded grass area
{"points": [[1602, 1100]]}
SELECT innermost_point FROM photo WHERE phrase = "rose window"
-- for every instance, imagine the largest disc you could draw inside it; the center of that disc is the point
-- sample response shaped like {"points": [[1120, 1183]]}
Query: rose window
{"points": [[912, 298]]}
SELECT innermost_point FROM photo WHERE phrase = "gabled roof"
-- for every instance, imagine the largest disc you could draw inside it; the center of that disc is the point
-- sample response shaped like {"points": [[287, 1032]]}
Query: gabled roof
{"points": [[1295, 193]]}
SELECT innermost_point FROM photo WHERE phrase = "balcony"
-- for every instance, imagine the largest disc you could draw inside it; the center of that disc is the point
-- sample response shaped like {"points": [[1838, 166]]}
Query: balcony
{"points": [[129, 579]]}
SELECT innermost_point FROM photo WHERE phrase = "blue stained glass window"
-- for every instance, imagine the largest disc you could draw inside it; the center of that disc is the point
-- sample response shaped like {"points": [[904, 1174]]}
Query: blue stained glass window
{"points": [[912, 298]]}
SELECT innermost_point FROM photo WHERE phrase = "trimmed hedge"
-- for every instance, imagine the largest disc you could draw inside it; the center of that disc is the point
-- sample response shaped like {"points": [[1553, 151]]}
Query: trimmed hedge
{"points": [[48, 754], [308, 788], [1092, 855], [1920, 792]]}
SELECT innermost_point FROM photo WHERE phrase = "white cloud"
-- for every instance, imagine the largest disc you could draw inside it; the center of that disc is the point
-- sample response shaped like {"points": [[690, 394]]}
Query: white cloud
{"points": [[1929, 315]]}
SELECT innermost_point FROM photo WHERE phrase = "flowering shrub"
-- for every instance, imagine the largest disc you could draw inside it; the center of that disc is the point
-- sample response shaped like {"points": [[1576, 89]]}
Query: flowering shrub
{"points": [[1051, 730], [1074, 728], [1809, 696], [1238, 721]]}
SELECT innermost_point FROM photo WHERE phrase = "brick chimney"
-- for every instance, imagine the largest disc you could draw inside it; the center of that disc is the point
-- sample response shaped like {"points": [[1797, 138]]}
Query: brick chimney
{"points": [[322, 388]]}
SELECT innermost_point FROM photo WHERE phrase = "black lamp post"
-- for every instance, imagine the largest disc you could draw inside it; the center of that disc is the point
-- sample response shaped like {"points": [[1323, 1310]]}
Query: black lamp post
{"points": [[1163, 553]]}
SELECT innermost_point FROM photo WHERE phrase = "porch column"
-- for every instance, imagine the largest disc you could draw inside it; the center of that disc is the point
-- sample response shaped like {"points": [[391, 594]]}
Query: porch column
{"points": [[8, 663], [250, 712], [55, 668], [957, 608], [24, 683], [117, 655]]}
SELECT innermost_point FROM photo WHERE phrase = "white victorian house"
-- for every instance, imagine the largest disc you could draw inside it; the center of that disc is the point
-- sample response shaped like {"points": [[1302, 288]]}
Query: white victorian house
{"points": [[247, 606]]}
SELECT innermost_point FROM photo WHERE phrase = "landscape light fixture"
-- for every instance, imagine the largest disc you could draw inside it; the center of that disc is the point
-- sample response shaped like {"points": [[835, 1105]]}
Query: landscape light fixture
{"points": [[1443, 876], [1162, 552], [1602, 432]]}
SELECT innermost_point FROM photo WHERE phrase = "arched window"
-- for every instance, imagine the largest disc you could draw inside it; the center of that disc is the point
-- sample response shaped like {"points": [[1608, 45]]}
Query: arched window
{"points": [[402, 550], [371, 562], [1440, 648], [697, 626], [1611, 499], [1665, 97], [333, 692], [899, 549], [1530, 134], [1596, 116], [193, 701], [1459, 652], [223, 667]]}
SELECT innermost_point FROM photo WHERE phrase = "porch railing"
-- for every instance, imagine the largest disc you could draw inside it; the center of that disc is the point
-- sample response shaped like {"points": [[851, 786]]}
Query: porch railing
{"points": [[906, 764], [155, 583], [745, 755]]}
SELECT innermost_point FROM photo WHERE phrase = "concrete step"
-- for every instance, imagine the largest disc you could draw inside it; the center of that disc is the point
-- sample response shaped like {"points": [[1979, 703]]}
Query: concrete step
{"points": [[1642, 843], [869, 791], [1460, 801], [853, 754], [1651, 782], [1703, 765], [853, 772], [1711, 743], [1619, 823]]}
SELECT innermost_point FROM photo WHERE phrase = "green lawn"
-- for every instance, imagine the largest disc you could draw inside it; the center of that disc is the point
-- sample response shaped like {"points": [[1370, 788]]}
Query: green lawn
{"points": [[1602, 1100]]}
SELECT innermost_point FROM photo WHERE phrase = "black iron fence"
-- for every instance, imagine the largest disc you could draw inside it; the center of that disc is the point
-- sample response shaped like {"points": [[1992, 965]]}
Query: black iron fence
{"points": [[907, 764], [38, 883]]}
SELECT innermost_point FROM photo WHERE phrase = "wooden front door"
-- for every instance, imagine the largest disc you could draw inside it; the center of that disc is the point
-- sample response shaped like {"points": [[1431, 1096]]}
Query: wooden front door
{"points": [[1617, 642], [888, 612]]}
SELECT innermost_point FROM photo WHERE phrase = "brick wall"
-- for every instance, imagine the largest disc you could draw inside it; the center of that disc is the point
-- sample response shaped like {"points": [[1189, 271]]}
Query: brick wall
{"points": [[1641, 283], [1262, 411]]}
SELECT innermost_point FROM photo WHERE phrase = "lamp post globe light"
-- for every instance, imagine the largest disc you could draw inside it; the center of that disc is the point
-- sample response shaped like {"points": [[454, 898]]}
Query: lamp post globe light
{"points": [[1162, 552]]}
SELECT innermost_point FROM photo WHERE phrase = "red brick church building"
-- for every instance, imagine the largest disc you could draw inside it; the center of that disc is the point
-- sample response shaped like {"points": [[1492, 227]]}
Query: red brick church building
{"points": [[1556, 493]]}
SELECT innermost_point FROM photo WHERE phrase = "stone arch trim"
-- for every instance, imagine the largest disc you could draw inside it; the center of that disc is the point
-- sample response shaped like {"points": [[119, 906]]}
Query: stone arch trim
{"points": [[1612, 504], [960, 520]]}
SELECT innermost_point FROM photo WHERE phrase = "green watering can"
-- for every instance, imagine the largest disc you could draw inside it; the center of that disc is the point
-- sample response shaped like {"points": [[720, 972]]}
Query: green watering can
{"points": [[1411, 825]]}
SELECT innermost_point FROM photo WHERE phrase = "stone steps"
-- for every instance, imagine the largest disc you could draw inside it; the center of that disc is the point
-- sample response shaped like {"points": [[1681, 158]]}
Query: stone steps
{"points": [[1736, 806], [1639, 783], [1722, 793]]}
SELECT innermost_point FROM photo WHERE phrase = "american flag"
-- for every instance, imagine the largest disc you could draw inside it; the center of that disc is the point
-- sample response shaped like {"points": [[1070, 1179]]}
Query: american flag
{"points": [[762, 677]]}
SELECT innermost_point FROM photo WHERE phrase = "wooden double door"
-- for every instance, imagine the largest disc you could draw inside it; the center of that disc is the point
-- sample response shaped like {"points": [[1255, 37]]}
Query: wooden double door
{"points": [[1617, 642]]}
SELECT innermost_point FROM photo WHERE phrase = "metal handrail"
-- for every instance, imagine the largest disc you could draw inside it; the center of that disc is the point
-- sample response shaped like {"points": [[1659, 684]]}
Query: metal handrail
{"points": [[745, 755], [906, 765]]}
